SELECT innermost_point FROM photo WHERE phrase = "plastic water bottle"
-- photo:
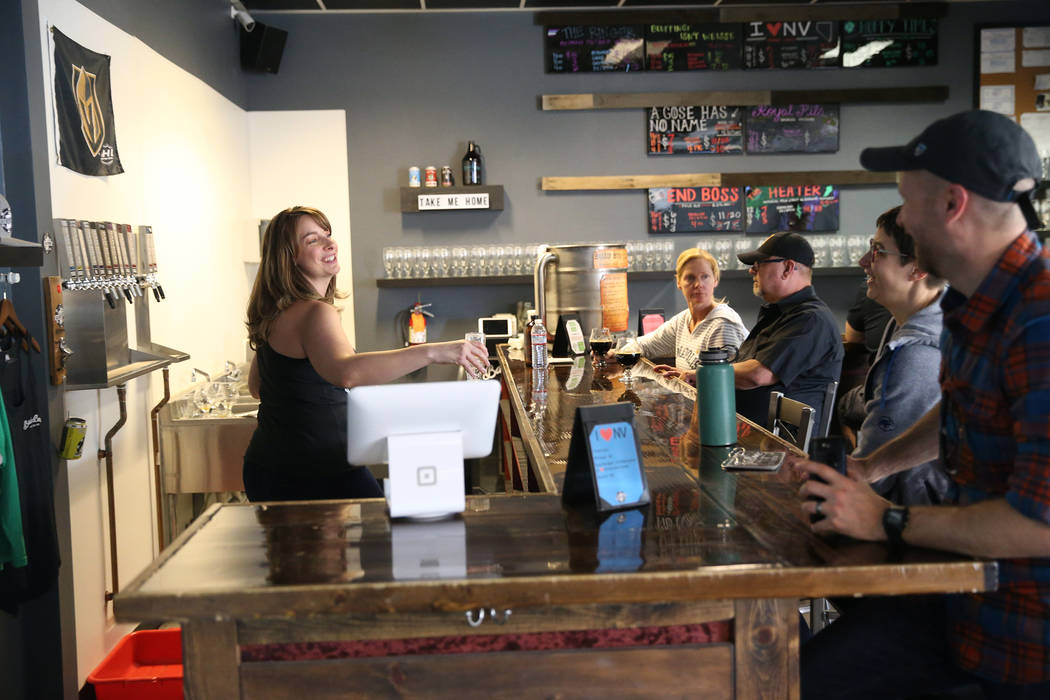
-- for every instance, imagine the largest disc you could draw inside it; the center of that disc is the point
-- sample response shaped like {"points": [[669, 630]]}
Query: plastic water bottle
{"points": [[538, 342]]}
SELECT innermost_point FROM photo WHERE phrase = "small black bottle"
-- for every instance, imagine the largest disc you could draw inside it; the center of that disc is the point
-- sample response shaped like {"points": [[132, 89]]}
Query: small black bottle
{"points": [[472, 165]]}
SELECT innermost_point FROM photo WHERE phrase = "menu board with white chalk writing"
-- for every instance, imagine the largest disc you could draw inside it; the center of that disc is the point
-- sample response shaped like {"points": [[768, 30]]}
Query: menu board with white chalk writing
{"points": [[889, 42], [793, 129], [792, 208], [586, 49], [693, 209], [798, 44], [695, 129]]}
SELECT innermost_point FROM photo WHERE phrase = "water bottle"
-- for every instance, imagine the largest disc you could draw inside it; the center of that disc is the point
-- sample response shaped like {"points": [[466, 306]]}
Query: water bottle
{"points": [[716, 395], [538, 342]]}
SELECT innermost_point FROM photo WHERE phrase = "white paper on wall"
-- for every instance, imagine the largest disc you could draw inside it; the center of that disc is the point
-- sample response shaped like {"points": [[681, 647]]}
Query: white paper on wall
{"points": [[1032, 59], [1035, 37], [1038, 125], [997, 62], [998, 98], [998, 40]]}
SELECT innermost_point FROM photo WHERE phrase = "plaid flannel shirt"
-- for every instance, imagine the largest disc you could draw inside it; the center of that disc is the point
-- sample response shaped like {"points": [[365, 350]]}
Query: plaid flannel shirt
{"points": [[995, 439]]}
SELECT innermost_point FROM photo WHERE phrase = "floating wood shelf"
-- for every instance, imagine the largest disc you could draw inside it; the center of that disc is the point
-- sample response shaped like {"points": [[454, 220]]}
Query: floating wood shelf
{"points": [[745, 98], [451, 198], [642, 182], [633, 276]]}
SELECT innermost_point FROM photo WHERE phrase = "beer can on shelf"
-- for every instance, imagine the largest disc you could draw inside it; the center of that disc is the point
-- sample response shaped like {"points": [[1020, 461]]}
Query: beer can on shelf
{"points": [[73, 433], [431, 179], [413, 176], [447, 180]]}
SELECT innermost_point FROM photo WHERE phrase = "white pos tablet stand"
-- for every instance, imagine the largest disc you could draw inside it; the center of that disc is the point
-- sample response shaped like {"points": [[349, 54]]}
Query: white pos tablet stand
{"points": [[423, 431]]}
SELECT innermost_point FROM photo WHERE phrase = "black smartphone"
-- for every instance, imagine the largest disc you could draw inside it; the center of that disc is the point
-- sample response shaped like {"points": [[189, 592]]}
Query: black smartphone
{"points": [[832, 452]]}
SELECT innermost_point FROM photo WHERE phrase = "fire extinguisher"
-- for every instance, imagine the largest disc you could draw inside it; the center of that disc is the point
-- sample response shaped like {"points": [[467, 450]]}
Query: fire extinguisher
{"points": [[414, 328]]}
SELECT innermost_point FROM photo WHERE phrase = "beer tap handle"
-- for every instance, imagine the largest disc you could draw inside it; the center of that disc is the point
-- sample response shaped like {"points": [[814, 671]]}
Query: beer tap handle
{"points": [[127, 294], [160, 290], [109, 299]]}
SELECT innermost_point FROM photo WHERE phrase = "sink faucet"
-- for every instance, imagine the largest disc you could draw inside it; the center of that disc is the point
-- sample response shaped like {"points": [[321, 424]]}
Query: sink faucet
{"points": [[196, 371]]}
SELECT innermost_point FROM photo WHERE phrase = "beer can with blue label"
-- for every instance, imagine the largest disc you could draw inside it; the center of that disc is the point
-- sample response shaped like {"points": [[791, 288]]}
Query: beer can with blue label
{"points": [[73, 438]]}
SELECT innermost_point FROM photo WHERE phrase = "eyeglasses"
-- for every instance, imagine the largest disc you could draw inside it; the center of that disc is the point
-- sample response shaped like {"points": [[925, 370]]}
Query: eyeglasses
{"points": [[754, 265], [875, 250]]}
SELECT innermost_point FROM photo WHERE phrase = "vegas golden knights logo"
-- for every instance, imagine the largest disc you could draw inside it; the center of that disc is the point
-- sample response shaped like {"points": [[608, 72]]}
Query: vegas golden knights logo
{"points": [[92, 122]]}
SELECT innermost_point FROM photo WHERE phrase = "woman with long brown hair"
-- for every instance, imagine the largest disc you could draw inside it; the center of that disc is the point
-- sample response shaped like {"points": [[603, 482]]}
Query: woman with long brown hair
{"points": [[304, 361]]}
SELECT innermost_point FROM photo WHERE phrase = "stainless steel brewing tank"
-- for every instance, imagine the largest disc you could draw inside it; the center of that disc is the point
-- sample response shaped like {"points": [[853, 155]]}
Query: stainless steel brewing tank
{"points": [[585, 279]]}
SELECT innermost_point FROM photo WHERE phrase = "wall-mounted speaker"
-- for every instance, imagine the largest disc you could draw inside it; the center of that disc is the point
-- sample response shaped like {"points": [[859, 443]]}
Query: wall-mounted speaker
{"points": [[261, 48]]}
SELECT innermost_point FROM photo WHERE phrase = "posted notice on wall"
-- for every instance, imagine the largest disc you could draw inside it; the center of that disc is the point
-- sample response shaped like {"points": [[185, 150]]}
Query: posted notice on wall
{"points": [[998, 98], [474, 200]]}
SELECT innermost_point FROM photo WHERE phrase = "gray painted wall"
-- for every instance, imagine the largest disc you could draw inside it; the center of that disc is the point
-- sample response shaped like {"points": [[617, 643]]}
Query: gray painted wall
{"points": [[416, 87]]}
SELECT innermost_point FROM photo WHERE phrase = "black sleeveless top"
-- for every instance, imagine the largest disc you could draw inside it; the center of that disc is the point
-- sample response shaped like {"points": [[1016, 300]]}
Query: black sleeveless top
{"points": [[302, 418]]}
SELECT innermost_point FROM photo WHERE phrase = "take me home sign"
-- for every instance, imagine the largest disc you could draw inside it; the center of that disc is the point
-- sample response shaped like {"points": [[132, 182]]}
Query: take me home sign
{"points": [[479, 200]]}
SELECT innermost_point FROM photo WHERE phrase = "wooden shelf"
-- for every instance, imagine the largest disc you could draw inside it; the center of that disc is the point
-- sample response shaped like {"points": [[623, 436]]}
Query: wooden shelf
{"points": [[633, 276], [745, 98], [642, 182], [451, 198]]}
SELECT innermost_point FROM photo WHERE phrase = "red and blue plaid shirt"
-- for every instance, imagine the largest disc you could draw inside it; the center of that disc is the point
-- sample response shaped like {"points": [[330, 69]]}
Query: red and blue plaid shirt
{"points": [[995, 438]]}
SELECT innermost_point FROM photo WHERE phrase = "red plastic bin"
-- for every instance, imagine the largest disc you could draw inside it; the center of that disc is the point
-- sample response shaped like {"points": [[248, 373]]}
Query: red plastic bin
{"points": [[145, 665]]}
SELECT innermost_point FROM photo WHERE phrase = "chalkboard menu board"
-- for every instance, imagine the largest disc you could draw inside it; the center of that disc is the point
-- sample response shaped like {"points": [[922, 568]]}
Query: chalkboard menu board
{"points": [[584, 49], [675, 47], [793, 129], [794, 208], [800, 44], [889, 42], [692, 209], [695, 129]]}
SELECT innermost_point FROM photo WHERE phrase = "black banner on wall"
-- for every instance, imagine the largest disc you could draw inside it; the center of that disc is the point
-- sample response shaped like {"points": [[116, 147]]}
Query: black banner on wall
{"points": [[792, 208], [87, 139], [793, 129], [694, 209], [678, 47], [798, 44], [889, 42], [587, 49], [695, 129]]}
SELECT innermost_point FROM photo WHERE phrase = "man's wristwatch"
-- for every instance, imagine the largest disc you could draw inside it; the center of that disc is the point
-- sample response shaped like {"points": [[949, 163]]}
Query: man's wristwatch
{"points": [[894, 520]]}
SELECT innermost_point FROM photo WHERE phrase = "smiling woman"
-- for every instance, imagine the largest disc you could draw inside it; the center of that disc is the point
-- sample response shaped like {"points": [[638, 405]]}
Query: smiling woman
{"points": [[304, 361]]}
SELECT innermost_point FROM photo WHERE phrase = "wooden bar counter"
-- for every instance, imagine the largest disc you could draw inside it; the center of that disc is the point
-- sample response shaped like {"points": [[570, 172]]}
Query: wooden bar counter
{"points": [[695, 595]]}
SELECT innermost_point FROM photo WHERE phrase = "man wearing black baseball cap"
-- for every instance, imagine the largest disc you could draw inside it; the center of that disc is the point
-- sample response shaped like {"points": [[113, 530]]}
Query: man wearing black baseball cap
{"points": [[965, 182], [794, 347]]}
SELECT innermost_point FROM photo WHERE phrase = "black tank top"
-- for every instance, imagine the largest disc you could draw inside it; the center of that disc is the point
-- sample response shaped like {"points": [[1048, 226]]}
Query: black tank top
{"points": [[302, 418]]}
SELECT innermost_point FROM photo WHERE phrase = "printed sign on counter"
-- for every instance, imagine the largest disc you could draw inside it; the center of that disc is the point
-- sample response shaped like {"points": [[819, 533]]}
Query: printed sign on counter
{"points": [[677, 47], [794, 208], [793, 129], [695, 129], [605, 467], [592, 49], [695, 209]]}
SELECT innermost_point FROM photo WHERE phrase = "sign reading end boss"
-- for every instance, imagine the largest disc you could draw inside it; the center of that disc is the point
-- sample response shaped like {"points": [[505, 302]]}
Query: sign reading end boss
{"points": [[429, 202]]}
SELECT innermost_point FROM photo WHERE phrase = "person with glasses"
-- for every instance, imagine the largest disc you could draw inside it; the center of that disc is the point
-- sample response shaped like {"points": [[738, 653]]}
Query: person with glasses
{"points": [[965, 182], [901, 385], [794, 347]]}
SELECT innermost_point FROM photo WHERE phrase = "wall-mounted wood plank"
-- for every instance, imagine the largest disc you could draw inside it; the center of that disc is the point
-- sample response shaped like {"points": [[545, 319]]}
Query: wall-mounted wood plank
{"points": [[640, 182], [633, 100]]}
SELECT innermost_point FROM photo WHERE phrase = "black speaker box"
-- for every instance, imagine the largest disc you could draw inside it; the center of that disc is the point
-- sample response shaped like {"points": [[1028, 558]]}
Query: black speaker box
{"points": [[261, 48]]}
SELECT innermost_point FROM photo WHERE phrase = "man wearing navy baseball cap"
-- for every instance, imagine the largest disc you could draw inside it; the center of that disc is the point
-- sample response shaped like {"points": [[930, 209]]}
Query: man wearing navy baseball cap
{"points": [[965, 183], [794, 347]]}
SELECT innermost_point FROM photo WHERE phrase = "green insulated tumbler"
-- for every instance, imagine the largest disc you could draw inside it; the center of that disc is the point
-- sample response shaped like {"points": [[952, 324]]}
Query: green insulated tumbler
{"points": [[716, 394]]}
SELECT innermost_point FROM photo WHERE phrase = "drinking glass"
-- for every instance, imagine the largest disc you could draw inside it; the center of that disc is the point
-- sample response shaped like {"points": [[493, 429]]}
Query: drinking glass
{"points": [[837, 252], [202, 400], [389, 261], [723, 250], [478, 261], [632, 255], [601, 343], [650, 254], [857, 247], [408, 262], [497, 255], [479, 338], [628, 353], [819, 244], [459, 261], [517, 256], [423, 254], [667, 251], [441, 262]]}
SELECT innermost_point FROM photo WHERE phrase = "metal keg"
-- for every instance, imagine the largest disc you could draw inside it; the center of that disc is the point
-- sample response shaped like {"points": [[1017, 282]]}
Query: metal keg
{"points": [[586, 279]]}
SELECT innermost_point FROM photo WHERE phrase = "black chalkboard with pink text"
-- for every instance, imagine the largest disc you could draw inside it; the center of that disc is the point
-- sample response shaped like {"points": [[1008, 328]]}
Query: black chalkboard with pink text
{"points": [[793, 128], [695, 209]]}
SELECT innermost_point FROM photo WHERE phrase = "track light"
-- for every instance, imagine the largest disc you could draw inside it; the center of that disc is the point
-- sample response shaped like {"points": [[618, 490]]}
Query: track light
{"points": [[240, 13]]}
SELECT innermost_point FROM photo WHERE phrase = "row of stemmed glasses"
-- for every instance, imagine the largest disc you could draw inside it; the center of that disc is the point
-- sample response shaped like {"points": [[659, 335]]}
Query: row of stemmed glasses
{"points": [[828, 251]]}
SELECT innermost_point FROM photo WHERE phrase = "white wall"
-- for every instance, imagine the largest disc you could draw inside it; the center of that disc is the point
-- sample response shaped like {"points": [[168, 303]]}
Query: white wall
{"points": [[299, 157], [188, 157]]}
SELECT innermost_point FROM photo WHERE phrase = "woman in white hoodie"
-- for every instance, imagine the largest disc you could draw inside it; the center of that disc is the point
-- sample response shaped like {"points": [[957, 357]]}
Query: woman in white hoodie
{"points": [[706, 323]]}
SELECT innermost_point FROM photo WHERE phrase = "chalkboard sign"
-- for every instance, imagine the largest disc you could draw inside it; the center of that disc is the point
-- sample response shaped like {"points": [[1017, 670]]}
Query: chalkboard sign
{"points": [[693, 209], [889, 42], [696, 129], [799, 44], [793, 129], [585, 49], [676, 47], [792, 208]]}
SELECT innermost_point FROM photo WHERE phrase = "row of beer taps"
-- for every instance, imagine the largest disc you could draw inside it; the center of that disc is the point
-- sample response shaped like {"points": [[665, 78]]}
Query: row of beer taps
{"points": [[110, 258]]}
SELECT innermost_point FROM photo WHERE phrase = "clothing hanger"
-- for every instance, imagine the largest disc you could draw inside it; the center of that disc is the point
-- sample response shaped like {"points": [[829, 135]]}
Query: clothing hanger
{"points": [[9, 320]]}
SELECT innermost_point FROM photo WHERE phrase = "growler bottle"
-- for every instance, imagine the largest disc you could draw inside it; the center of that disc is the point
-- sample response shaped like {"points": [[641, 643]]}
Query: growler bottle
{"points": [[472, 165]]}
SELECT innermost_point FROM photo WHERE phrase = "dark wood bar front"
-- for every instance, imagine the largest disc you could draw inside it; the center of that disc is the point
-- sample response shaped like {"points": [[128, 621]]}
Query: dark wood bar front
{"points": [[694, 595]]}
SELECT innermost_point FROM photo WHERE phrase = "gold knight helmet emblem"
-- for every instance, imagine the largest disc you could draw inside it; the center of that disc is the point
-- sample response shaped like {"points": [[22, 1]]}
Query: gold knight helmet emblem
{"points": [[92, 123]]}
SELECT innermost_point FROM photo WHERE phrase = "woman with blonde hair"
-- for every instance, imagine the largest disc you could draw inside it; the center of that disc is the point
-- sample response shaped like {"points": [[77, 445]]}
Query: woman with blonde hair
{"points": [[706, 322], [304, 361]]}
